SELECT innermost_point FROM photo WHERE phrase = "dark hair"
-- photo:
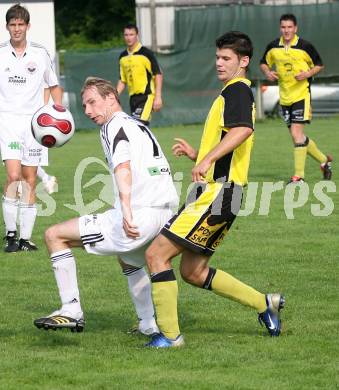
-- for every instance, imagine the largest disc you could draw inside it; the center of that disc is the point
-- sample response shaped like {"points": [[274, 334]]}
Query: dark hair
{"points": [[132, 26], [104, 87], [290, 17], [237, 41], [17, 12]]}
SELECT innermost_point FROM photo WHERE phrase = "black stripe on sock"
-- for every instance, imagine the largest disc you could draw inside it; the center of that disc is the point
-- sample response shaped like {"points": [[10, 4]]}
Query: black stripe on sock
{"points": [[63, 256], [208, 282], [127, 271], [307, 140], [164, 276]]}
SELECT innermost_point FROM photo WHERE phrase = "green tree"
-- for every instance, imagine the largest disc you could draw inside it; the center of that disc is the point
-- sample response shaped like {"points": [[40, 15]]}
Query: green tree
{"points": [[93, 23]]}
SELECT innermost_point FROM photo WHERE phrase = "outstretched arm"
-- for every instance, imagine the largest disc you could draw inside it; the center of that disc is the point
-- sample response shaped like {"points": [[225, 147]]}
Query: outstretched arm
{"points": [[183, 148]]}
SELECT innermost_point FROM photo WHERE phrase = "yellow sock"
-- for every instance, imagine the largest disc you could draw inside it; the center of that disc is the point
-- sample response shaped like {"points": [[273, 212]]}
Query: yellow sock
{"points": [[227, 286], [313, 151], [165, 297], [300, 154]]}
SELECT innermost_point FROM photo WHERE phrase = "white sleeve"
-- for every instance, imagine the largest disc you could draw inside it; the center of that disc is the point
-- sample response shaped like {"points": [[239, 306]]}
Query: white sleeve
{"points": [[122, 153], [50, 77]]}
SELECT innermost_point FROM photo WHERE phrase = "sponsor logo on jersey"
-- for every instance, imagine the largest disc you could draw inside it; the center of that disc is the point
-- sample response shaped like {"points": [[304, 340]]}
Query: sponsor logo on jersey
{"points": [[155, 171], [35, 152], [31, 67], [298, 114], [204, 232], [17, 80], [14, 145]]}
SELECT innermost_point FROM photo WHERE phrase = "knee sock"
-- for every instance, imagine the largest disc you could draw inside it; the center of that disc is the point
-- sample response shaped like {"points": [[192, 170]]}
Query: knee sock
{"points": [[313, 151], [42, 174], [165, 297], [222, 283], [300, 154], [140, 289], [64, 267], [9, 212], [27, 216]]}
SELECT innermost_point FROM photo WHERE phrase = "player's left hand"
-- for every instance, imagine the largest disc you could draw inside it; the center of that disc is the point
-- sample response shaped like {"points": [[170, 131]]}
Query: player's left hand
{"points": [[200, 170], [183, 148], [302, 76], [157, 104]]}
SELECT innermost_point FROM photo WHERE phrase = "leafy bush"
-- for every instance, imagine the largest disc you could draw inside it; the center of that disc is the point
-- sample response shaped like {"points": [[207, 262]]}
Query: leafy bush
{"points": [[97, 24]]}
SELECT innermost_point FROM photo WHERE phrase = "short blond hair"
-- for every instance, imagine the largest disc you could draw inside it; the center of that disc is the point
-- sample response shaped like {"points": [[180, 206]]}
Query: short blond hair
{"points": [[104, 87]]}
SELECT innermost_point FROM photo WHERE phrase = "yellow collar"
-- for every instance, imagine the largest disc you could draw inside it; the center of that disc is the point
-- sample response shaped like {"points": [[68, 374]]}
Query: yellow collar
{"points": [[137, 47], [292, 43], [242, 79]]}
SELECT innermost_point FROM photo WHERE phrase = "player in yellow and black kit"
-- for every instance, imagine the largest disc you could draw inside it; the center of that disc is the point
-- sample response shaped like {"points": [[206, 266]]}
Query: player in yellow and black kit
{"points": [[200, 225], [296, 61], [140, 71]]}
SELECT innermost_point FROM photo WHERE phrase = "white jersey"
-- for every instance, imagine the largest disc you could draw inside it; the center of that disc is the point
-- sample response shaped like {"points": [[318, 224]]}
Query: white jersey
{"points": [[126, 139], [22, 79]]}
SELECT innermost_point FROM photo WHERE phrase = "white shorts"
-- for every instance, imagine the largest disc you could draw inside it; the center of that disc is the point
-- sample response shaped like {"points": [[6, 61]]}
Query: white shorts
{"points": [[17, 141], [103, 234]]}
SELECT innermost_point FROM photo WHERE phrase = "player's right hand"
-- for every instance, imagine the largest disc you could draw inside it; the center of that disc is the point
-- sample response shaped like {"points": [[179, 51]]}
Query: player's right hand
{"points": [[272, 75], [130, 229], [183, 148]]}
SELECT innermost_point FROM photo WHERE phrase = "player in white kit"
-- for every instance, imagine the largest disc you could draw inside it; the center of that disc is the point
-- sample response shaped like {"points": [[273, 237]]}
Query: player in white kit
{"points": [[146, 200], [26, 69]]}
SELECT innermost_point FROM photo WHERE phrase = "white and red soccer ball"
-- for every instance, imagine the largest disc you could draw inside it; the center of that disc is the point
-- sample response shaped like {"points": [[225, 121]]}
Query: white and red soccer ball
{"points": [[53, 126]]}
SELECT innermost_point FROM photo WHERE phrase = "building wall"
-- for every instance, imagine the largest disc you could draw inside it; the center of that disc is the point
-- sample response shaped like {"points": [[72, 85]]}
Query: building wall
{"points": [[156, 24]]}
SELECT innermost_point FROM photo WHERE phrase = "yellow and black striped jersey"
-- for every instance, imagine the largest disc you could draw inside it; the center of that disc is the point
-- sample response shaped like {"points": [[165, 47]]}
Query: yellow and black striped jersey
{"points": [[234, 107], [290, 60], [137, 70]]}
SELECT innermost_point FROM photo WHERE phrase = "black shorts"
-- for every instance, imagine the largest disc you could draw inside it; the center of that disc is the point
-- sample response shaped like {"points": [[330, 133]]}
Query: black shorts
{"points": [[298, 112], [141, 107], [203, 221]]}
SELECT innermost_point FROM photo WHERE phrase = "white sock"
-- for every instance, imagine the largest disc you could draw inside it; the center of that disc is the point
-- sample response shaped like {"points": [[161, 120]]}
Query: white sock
{"points": [[140, 289], [64, 267], [27, 215], [42, 174], [10, 212]]}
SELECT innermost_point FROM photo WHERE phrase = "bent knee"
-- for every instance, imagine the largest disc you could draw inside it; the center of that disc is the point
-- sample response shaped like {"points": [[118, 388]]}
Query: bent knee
{"points": [[150, 256], [189, 278], [51, 234], [193, 276], [156, 259], [30, 182], [13, 177]]}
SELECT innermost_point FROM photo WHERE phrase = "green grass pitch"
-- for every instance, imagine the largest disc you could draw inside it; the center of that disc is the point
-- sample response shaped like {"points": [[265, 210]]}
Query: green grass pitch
{"points": [[225, 346]]}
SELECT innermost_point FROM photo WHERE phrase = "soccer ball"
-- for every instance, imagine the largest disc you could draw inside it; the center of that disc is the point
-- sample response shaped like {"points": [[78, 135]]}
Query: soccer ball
{"points": [[52, 126]]}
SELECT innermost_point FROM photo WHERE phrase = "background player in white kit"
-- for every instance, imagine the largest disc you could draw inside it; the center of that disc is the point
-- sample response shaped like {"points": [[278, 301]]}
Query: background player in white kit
{"points": [[146, 200], [26, 69]]}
